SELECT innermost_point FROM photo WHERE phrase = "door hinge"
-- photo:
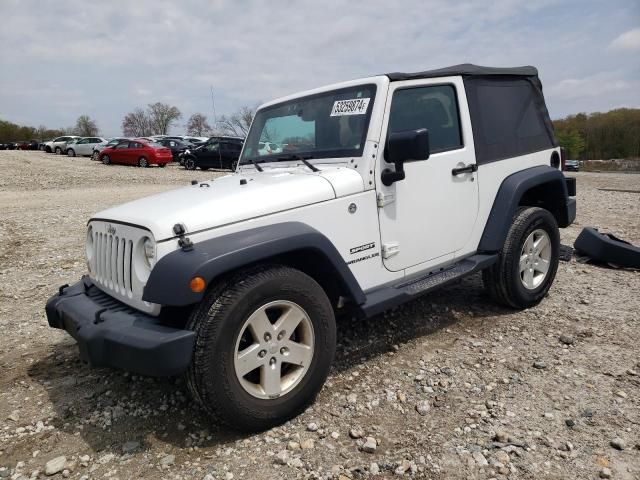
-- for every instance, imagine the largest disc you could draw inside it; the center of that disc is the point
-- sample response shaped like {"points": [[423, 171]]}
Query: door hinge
{"points": [[385, 199], [390, 249]]}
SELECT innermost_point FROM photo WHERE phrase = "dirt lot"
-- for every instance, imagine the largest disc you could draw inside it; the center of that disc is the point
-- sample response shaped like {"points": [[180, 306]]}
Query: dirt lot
{"points": [[552, 392]]}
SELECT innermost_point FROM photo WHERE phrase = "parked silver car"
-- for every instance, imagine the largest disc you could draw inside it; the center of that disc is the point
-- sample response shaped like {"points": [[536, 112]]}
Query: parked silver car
{"points": [[83, 146], [58, 144]]}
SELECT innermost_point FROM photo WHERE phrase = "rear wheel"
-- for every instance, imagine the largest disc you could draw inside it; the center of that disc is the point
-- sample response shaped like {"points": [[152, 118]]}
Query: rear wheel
{"points": [[189, 163], [106, 160], [143, 162], [234, 165], [71, 152], [528, 262], [265, 340], [58, 151], [95, 155], [162, 165]]}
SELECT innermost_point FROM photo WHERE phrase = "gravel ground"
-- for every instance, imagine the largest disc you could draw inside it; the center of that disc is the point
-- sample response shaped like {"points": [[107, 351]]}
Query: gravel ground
{"points": [[448, 386]]}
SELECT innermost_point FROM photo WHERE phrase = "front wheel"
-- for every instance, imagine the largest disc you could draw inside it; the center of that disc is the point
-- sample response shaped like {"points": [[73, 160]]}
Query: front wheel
{"points": [[95, 155], [265, 340], [71, 152], [528, 262], [106, 160], [58, 151]]}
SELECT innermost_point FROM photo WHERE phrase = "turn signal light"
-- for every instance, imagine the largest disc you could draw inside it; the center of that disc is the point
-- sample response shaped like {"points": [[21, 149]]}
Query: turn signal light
{"points": [[197, 284]]}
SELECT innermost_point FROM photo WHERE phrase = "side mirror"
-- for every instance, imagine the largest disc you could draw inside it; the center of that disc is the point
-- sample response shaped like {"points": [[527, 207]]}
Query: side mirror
{"points": [[408, 145]]}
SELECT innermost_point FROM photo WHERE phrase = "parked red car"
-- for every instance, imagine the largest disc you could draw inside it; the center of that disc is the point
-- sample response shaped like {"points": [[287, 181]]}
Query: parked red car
{"points": [[137, 152]]}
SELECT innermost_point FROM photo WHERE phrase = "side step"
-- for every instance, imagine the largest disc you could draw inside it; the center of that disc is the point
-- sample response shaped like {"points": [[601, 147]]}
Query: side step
{"points": [[384, 298]]}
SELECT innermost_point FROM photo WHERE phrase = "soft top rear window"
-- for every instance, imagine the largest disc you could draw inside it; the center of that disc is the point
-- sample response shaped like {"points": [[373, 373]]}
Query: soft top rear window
{"points": [[509, 117]]}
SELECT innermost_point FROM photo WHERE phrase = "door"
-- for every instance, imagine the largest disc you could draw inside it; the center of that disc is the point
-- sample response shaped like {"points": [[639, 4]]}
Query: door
{"points": [[135, 151], [430, 214], [209, 156], [119, 153], [229, 153]]}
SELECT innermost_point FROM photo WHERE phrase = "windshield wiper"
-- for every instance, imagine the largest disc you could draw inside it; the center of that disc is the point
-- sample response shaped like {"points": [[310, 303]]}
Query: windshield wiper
{"points": [[245, 161], [255, 164], [304, 159]]}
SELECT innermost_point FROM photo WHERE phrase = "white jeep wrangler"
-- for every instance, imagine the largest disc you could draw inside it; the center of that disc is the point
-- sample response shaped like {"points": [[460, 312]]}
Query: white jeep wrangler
{"points": [[381, 189]]}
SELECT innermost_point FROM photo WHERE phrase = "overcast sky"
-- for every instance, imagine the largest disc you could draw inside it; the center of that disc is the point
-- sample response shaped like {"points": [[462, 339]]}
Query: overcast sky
{"points": [[60, 59]]}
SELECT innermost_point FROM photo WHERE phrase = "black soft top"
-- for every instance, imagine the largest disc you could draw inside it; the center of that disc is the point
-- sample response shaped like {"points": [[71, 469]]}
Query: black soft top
{"points": [[466, 70]]}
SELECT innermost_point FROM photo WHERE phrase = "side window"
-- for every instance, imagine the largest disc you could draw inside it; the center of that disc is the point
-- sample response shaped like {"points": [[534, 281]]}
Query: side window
{"points": [[123, 145], [135, 145], [434, 108], [212, 147]]}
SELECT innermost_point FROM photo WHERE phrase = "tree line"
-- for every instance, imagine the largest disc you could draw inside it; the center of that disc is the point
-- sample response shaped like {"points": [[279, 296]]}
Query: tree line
{"points": [[156, 119], [600, 136], [85, 127]]}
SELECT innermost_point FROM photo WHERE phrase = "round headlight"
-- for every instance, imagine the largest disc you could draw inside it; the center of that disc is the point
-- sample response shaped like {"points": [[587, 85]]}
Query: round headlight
{"points": [[149, 250]]}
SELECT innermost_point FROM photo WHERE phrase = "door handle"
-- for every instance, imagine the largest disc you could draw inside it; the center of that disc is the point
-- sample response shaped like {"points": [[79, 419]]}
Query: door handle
{"points": [[472, 167]]}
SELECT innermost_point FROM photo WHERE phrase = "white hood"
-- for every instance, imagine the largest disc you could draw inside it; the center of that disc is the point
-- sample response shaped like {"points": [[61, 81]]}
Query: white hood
{"points": [[229, 199]]}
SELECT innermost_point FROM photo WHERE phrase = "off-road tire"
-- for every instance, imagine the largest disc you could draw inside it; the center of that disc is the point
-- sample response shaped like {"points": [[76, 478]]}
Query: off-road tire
{"points": [[502, 280], [217, 322]]}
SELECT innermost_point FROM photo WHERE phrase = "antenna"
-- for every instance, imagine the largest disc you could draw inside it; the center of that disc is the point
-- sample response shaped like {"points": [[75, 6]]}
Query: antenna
{"points": [[213, 107]]}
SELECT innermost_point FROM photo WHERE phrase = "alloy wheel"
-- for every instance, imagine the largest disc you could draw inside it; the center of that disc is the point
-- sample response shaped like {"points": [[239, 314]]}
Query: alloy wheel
{"points": [[535, 259], [274, 349]]}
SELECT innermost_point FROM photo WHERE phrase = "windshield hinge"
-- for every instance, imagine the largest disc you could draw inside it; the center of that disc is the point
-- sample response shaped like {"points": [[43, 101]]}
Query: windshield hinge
{"points": [[390, 249], [385, 199]]}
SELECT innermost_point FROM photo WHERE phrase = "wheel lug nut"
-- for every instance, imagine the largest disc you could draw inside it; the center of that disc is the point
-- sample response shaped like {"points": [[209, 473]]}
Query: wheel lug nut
{"points": [[281, 335], [284, 350], [267, 337], [262, 353], [272, 361]]}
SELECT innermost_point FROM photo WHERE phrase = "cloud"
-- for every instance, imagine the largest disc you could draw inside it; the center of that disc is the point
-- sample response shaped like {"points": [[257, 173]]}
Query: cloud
{"points": [[62, 59], [629, 40]]}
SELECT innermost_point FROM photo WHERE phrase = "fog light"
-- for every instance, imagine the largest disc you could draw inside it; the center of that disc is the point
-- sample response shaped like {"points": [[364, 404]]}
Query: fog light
{"points": [[197, 284]]}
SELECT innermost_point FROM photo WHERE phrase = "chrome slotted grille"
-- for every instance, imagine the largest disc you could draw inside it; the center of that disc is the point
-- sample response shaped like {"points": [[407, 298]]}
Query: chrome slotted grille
{"points": [[113, 262]]}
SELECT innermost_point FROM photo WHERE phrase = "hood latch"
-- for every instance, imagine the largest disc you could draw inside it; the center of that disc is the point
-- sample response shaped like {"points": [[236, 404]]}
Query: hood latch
{"points": [[185, 244]]}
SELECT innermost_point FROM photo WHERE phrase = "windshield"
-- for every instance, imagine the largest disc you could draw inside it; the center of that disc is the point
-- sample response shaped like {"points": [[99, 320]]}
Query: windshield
{"points": [[326, 125]]}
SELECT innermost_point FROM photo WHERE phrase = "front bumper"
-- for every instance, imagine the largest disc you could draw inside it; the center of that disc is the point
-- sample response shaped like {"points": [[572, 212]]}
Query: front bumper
{"points": [[112, 334]]}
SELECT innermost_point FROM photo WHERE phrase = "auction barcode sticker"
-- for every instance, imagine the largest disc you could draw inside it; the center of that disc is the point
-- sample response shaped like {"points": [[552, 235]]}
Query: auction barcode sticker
{"points": [[356, 106]]}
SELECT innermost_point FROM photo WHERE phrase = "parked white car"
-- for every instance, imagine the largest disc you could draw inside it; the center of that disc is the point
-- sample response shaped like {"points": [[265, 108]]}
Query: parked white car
{"points": [[83, 146]]}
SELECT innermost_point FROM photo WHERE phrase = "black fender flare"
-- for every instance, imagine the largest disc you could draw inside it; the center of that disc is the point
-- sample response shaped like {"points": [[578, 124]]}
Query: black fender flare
{"points": [[511, 193], [168, 283]]}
